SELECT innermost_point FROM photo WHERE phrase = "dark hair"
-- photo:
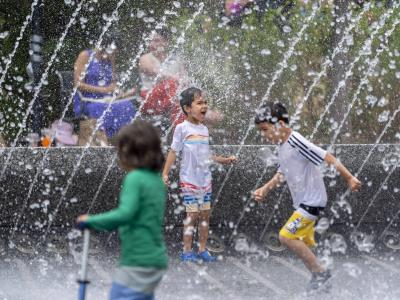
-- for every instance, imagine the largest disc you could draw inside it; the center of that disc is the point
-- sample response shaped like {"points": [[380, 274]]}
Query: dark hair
{"points": [[110, 37], [165, 34], [272, 112], [187, 97], [139, 146]]}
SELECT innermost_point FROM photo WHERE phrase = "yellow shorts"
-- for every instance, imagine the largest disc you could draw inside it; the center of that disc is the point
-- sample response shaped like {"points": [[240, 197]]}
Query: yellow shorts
{"points": [[299, 227]]}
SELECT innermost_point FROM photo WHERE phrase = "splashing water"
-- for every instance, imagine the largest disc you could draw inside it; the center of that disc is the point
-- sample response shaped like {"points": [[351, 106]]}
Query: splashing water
{"points": [[364, 81], [267, 156], [282, 66], [76, 167], [363, 241], [38, 88], [365, 50], [338, 243], [16, 45], [327, 62], [322, 225], [100, 39]]}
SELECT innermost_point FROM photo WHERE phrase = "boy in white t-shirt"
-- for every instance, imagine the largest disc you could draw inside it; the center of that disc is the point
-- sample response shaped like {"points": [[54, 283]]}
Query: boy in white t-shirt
{"points": [[191, 139], [299, 162]]}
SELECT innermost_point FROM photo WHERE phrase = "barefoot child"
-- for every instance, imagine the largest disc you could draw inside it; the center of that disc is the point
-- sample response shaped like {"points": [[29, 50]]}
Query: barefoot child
{"points": [[299, 162], [139, 216], [191, 140]]}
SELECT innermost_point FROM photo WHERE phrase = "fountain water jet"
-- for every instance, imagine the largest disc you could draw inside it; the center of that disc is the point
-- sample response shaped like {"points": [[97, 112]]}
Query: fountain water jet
{"points": [[100, 39], [277, 74], [327, 62], [76, 167], [365, 50], [364, 80], [16, 45], [39, 87]]}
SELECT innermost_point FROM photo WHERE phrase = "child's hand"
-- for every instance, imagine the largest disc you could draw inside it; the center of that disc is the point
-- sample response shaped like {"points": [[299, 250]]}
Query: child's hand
{"points": [[354, 184], [260, 194], [165, 179], [81, 221], [231, 159]]}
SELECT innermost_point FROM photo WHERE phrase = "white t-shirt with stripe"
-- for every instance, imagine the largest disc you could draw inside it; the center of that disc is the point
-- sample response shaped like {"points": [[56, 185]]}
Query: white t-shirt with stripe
{"points": [[192, 142], [300, 162]]}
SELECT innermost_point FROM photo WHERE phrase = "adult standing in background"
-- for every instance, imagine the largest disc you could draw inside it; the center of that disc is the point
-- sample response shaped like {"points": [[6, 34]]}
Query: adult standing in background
{"points": [[96, 90], [160, 77], [163, 76]]}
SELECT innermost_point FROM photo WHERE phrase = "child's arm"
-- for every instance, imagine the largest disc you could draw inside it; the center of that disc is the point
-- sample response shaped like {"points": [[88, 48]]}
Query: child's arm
{"points": [[128, 205], [262, 192], [352, 181], [168, 165], [224, 160]]}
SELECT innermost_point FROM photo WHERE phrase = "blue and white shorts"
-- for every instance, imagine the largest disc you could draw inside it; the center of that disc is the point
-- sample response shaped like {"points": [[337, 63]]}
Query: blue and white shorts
{"points": [[196, 198]]}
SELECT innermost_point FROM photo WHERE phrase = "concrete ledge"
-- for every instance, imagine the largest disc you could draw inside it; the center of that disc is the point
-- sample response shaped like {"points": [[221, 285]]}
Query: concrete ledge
{"points": [[47, 202]]}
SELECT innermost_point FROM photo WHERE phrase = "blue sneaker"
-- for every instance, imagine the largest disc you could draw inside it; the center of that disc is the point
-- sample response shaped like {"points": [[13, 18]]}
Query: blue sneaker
{"points": [[205, 256], [189, 257]]}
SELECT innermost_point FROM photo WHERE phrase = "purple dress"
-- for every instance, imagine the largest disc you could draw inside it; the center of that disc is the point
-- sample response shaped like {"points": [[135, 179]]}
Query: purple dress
{"points": [[100, 73]]}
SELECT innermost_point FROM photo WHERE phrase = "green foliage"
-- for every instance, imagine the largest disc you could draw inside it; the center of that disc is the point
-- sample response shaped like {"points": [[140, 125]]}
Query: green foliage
{"points": [[234, 64]]}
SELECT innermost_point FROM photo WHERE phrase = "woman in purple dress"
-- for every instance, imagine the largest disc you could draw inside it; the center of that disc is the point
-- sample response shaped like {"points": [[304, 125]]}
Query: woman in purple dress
{"points": [[94, 101]]}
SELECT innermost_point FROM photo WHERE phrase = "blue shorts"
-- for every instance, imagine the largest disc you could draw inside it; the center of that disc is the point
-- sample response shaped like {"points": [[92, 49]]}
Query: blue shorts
{"points": [[121, 292], [195, 198]]}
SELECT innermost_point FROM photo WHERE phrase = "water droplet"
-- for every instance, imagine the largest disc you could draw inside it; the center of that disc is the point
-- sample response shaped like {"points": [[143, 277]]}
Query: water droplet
{"points": [[46, 172], [322, 226], [384, 116], [140, 14], [363, 241], [267, 156], [241, 244], [338, 243], [177, 4], [4, 34], [265, 52], [383, 102], [88, 170], [280, 44], [286, 29], [371, 100], [349, 40], [352, 269]]}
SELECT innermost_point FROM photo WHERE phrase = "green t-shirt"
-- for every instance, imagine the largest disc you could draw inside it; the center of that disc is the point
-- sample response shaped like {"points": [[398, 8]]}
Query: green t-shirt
{"points": [[139, 219]]}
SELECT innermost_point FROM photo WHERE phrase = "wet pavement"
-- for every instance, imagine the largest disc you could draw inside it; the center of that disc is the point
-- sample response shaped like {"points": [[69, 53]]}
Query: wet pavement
{"points": [[236, 276]]}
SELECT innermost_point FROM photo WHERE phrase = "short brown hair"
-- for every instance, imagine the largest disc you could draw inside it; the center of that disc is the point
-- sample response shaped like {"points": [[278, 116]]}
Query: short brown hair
{"points": [[187, 97], [139, 146], [272, 112]]}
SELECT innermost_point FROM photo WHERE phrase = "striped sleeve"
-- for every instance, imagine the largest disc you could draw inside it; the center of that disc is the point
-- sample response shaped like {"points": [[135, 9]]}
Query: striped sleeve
{"points": [[308, 150]]}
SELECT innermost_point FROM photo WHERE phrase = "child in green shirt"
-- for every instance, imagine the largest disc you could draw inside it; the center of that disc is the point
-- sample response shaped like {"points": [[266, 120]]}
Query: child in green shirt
{"points": [[139, 216]]}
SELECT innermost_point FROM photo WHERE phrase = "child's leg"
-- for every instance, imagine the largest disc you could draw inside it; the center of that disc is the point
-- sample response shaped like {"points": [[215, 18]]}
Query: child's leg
{"points": [[188, 229], [304, 252], [204, 222], [298, 235]]}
